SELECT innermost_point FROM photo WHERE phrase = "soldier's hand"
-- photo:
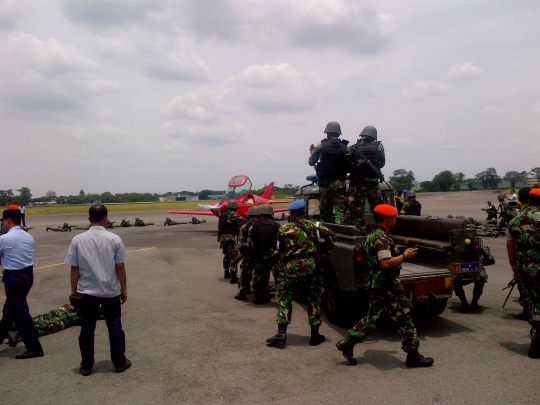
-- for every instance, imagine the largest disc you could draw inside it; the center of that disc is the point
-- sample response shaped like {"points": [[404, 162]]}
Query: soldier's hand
{"points": [[312, 148], [411, 252]]}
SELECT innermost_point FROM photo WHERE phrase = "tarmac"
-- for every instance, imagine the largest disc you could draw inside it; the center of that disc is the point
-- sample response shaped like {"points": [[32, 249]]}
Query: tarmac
{"points": [[191, 342]]}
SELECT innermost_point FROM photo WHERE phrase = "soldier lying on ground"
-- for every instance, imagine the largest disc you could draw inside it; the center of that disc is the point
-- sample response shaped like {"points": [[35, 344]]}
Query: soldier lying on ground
{"points": [[125, 224], [140, 222], [485, 228], [63, 228], [196, 221], [170, 222], [110, 224]]}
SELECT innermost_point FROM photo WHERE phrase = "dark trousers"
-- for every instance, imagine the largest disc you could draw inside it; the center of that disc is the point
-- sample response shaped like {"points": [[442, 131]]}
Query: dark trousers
{"points": [[89, 313], [17, 284], [23, 219]]}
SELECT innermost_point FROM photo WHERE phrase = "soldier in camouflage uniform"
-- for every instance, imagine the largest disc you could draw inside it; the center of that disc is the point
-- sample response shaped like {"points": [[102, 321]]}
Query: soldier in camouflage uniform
{"points": [[170, 222], [364, 181], [384, 260], [299, 249], [248, 257], [125, 224], [491, 213], [63, 228], [110, 224], [404, 201], [54, 321], [524, 252], [483, 228], [331, 171], [514, 231], [140, 222], [506, 212], [228, 226], [195, 221], [262, 238]]}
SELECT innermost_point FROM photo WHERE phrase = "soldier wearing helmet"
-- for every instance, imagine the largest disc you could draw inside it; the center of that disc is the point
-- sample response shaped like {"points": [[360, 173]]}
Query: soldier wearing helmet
{"points": [[332, 170], [414, 207], [491, 213], [248, 258], [228, 226], [262, 238], [364, 181]]}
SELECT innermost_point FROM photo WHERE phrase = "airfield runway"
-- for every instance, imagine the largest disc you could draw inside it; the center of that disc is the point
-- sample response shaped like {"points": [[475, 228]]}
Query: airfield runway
{"points": [[191, 342]]}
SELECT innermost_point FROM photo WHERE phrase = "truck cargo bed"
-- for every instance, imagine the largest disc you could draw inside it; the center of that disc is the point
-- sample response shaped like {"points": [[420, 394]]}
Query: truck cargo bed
{"points": [[423, 271]]}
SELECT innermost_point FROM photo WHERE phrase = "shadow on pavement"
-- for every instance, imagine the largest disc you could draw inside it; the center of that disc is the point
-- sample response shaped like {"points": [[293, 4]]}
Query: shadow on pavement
{"points": [[518, 348], [100, 367]]}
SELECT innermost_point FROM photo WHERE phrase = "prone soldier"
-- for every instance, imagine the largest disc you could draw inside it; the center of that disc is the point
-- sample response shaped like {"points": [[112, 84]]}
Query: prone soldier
{"points": [[170, 222], [63, 228], [140, 222], [524, 254], [331, 171], [196, 221], [367, 158], [298, 242], [228, 226], [110, 224], [262, 238], [248, 258], [125, 223], [387, 295]]}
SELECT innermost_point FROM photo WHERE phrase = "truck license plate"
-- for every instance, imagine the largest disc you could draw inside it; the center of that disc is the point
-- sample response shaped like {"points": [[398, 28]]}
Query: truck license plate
{"points": [[469, 267]]}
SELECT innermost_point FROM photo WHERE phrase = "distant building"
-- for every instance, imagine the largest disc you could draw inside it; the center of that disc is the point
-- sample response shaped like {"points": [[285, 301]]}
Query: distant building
{"points": [[214, 196], [179, 198]]}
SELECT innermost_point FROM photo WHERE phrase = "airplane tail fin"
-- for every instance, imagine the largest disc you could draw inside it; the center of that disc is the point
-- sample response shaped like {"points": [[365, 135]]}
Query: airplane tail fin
{"points": [[268, 192]]}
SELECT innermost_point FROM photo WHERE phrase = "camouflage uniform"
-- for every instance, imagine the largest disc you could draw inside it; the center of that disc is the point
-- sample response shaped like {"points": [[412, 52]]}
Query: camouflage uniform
{"points": [[140, 222], [491, 212], [404, 204], [56, 320], [266, 262], [332, 200], [483, 228], [63, 228], [125, 224], [386, 293], [364, 188], [519, 230], [506, 212], [231, 256], [299, 267], [248, 258], [170, 222]]}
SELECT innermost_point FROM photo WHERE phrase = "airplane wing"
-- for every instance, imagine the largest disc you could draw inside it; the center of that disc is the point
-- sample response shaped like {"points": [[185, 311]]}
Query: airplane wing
{"points": [[281, 209], [285, 201], [209, 213]]}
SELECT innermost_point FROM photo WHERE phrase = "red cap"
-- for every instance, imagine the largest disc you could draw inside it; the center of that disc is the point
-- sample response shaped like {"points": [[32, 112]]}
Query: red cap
{"points": [[535, 191], [386, 210], [13, 207]]}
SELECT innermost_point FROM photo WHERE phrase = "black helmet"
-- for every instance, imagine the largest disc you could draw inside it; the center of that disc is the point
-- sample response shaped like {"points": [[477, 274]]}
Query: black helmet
{"points": [[266, 210], [370, 132], [332, 127], [232, 205], [253, 212]]}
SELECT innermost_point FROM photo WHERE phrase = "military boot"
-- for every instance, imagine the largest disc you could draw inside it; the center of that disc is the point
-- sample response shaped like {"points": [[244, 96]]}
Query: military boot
{"points": [[262, 298], [474, 304], [226, 274], [241, 296], [316, 338], [523, 315], [534, 350], [464, 304], [415, 359], [346, 347], [279, 339], [234, 279]]}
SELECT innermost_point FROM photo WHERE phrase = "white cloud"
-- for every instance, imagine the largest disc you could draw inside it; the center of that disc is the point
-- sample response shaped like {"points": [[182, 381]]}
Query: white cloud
{"points": [[463, 70], [423, 89], [491, 111]]}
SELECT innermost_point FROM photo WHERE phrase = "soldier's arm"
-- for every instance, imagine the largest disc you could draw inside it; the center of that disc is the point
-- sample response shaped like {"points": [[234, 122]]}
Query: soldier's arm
{"points": [[511, 249], [381, 155], [325, 232], [314, 158]]}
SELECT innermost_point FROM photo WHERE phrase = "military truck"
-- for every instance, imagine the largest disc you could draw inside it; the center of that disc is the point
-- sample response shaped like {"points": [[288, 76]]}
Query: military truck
{"points": [[446, 250]]}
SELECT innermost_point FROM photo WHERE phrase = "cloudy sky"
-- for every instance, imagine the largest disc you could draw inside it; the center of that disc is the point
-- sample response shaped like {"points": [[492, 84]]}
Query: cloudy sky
{"points": [[163, 95]]}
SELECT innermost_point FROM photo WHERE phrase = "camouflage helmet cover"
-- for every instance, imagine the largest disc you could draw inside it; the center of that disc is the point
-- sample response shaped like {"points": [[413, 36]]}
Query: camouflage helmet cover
{"points": [[66, 224], [370, 132], [266, 210], [232, 205], [333, 127], [253, 211], [411, 194]]}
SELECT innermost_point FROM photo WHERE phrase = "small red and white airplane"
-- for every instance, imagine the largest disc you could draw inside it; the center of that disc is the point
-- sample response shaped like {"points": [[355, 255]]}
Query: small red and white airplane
{"points": [[239, 190]]}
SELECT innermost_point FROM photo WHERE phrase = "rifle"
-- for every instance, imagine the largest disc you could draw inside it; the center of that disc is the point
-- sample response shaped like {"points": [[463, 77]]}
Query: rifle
{"points": [[372, 166], [510, 285]]}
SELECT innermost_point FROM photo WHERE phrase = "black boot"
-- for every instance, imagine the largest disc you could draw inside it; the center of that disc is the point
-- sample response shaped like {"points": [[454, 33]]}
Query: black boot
{"points": [[458, 290], [262, 298], [415, 359], [523, 315], [279, 339], [316, 338], [241, 295], [477, 293], [534, 350], [234, 279], [474, 304], [226, 274], [346, 347]]}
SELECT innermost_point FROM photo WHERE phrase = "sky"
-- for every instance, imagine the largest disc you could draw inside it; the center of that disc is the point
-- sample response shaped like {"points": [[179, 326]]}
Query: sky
{"points": [[163, 95]]}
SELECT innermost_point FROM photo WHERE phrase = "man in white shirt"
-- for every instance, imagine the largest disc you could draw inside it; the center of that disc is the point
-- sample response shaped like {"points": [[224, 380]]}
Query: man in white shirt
{"points": [[513, 196], [22, 208], [17, 258], [98, 275]]}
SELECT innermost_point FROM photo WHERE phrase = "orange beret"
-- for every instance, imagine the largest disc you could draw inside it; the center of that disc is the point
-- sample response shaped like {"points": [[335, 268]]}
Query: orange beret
{"points": [[535, 191], [386, 210], [13, 207]]}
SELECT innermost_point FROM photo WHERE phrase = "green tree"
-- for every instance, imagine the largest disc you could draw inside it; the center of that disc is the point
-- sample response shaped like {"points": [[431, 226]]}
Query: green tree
{"points": [[443, 181], [25, 196], [50, 194], [427, 186], [471, 184], [515, 176], [488, 178], [459, 180], [6, 196], [106, 197], [81, 193], [401, 179]]}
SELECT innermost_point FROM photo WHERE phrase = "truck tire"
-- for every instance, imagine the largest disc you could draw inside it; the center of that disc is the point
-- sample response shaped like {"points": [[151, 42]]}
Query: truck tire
{"points": [[435, 308]]}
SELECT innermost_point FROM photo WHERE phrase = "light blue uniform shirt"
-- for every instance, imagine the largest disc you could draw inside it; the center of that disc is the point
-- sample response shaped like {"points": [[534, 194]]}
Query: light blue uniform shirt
{"points": [[16, 249], [96, 252]]}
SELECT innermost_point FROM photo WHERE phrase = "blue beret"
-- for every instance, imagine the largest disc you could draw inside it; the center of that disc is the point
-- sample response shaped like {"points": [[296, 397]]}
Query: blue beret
{"points": [[405, 190], [297, 205], [489, 201]]}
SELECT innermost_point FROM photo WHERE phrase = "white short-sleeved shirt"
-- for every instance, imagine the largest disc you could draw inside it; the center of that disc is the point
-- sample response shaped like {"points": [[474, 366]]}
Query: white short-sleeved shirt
{"points": [[513, 197], [16, 249], [96, 252]]}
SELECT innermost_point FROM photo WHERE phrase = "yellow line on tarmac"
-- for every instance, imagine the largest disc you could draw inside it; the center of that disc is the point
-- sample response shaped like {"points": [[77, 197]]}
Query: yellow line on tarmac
{"points": [[140, 250]]}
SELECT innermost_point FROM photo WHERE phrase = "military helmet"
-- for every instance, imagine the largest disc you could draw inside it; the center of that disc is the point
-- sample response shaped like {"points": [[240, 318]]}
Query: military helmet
{"points": [[411, 194], [370, 132], [266, 210], [501, 197], [232, 205], [253, 211], [167, 219], [333, 127], [66, 224], [450, 216], [123, 220]]}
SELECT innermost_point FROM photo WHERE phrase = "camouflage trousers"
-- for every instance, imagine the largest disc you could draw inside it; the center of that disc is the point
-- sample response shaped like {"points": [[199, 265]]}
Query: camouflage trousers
{"points": [[524, 287], [231, 256], [246, 273], [396, 304], [261, 273], [295, 275], [333, 202], [534, 306], [365, 190], [56, 320]]}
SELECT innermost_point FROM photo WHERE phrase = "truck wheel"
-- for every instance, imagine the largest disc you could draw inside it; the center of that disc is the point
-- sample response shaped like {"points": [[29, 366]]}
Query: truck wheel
{"points": [[344, 308], [435, 308]]}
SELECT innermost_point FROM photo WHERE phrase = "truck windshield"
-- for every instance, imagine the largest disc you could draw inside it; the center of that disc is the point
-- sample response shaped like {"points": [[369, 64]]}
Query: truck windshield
{"points": [[313, 209]]}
